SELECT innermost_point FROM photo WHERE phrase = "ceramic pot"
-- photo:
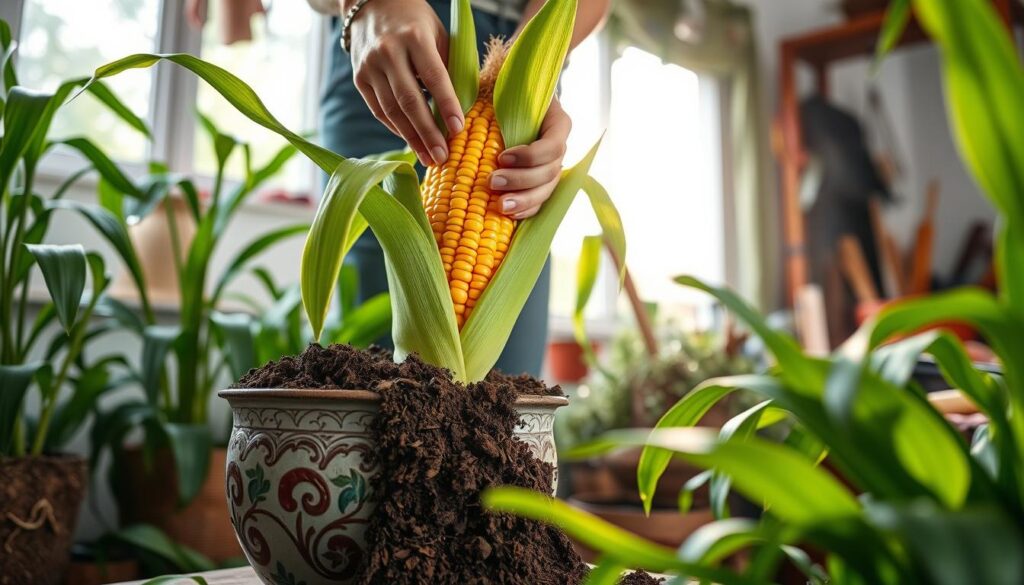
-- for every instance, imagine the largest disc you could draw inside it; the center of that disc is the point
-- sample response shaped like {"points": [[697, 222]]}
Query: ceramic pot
{"points": [[39, 502], [298, 479]]}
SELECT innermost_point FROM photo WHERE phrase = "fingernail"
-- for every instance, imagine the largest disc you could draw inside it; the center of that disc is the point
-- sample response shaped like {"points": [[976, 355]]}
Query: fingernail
{"points": [[440, 154], [508, 205], [498, 181], [508, 159], [455, 124]]}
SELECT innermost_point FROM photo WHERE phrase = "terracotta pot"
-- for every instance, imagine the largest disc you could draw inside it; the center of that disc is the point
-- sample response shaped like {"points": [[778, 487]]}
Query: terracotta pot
{"points": [[149, 494], [39, 501], [665, 525], [565, 361], [151, 238], [298, 483]]}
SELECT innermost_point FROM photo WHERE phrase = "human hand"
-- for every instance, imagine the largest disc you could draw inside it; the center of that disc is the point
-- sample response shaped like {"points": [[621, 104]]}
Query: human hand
{"points": [[528, 174], [395, 46]]}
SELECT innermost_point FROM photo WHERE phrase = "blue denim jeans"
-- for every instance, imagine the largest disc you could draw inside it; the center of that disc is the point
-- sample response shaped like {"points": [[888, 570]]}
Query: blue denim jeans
{"points": [[348, 127]]}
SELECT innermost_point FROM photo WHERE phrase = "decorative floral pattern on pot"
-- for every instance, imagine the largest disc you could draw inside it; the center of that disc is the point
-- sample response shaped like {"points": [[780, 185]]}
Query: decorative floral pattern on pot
{"points": [[299, 484]]}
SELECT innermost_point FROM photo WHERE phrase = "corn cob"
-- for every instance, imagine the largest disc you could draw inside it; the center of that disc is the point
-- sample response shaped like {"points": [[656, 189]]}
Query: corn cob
{"points": [[471, 231]]}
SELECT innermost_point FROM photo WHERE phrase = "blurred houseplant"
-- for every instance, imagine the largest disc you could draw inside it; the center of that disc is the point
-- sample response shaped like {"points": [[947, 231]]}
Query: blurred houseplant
{"points": [[916, 503], [42, 488], [174, 479], [642, 373]]}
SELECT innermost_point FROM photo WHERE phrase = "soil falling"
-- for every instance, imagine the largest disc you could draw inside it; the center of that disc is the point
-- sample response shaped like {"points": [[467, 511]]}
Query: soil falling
{"points": [[440, 445]]}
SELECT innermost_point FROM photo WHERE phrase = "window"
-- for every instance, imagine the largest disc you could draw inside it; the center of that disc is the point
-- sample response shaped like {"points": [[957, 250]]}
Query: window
{"points": [[666, 182], [62, 39], [274, 64]]}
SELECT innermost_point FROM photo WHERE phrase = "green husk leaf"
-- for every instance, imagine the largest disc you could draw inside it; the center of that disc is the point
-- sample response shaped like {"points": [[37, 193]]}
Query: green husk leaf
{"points": [[527, 80], [487, 330], [463, 57]]}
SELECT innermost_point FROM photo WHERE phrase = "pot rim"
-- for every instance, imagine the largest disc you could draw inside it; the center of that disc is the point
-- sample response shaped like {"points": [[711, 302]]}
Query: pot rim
{"points": [[357, 395]]}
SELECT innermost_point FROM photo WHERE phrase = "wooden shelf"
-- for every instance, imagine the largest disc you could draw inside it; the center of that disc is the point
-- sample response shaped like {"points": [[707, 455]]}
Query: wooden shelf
{"points": [[820, 49]]}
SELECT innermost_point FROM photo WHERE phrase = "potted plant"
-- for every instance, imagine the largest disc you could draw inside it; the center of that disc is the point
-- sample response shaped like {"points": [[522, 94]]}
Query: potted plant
{"points": [[173, 480], [910, 500], [301, 469], [42, 487]]}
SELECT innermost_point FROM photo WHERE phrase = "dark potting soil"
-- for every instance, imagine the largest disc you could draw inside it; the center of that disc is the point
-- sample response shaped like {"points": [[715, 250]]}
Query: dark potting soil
{"points": [[640, 578], [440, 445]]}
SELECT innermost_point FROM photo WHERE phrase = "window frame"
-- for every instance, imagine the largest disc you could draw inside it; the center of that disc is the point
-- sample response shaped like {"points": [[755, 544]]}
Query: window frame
{"points": [[172, 101]]}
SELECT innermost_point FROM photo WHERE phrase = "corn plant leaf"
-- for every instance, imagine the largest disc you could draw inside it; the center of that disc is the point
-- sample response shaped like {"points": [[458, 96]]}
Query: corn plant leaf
{"points": [[609, 219], [685, 413], [191, 445], [423, 317], [795, 489], [101, 92], [9, 45], [897, 15], [954, 547], [329, 239], [14, 383], [234, 90], [238, 263], [612, 542], [527, 80], [586, 276], [463, 58], [489, 325], [103, 164], [63, 269]]}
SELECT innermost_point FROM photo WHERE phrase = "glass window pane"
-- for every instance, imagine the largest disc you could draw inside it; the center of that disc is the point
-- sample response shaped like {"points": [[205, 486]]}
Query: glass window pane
{"points": [[277, 65], [64, 39]]}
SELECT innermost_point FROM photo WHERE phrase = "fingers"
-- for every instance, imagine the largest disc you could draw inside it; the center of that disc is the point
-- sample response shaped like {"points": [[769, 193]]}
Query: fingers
{"points": [[413, 108], [548, 148], [524, 204], [520, 179], [434, 76]]}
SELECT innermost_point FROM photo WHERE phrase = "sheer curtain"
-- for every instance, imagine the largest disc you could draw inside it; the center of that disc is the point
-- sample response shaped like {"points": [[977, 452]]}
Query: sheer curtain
{"points": [[717, 37]]}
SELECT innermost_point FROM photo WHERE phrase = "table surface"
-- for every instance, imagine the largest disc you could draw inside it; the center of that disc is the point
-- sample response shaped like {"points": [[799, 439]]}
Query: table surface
{"points": [[242, 576]]}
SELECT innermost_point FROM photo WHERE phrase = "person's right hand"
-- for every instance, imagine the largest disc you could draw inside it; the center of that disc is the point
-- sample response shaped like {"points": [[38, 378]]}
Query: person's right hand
{"points": [[396, 45]]}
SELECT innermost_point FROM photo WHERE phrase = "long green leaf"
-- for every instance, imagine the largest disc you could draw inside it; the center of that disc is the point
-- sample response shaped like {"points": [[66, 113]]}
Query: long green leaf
{"points": [[191, 445], [253, 249], [527, 80], [153, 540], [686, 413], [366, 323], [63, 270], [157, 341], [23, 115], [103, 164], [487, 330], [586, 276], [463, 59], [609, 219], [610, 540], [605, 573], [897, 15], [14, 383]]}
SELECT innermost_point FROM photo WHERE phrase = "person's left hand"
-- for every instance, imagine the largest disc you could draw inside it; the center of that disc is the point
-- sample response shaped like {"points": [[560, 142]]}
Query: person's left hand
{"points": [[528, 174]]}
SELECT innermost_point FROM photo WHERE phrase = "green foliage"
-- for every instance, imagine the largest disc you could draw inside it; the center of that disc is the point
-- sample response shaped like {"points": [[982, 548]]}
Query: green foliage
{"points": [[917, 504]]}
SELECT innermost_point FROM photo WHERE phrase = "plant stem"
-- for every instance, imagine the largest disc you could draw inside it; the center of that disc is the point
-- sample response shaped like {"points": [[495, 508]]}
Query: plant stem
{"points": [[50, 398], [22, 351], [18, 448], [172, 229]]}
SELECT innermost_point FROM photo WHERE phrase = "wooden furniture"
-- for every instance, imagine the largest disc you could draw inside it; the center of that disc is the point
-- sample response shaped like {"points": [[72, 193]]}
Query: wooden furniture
{"points": [[820, 49]]}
